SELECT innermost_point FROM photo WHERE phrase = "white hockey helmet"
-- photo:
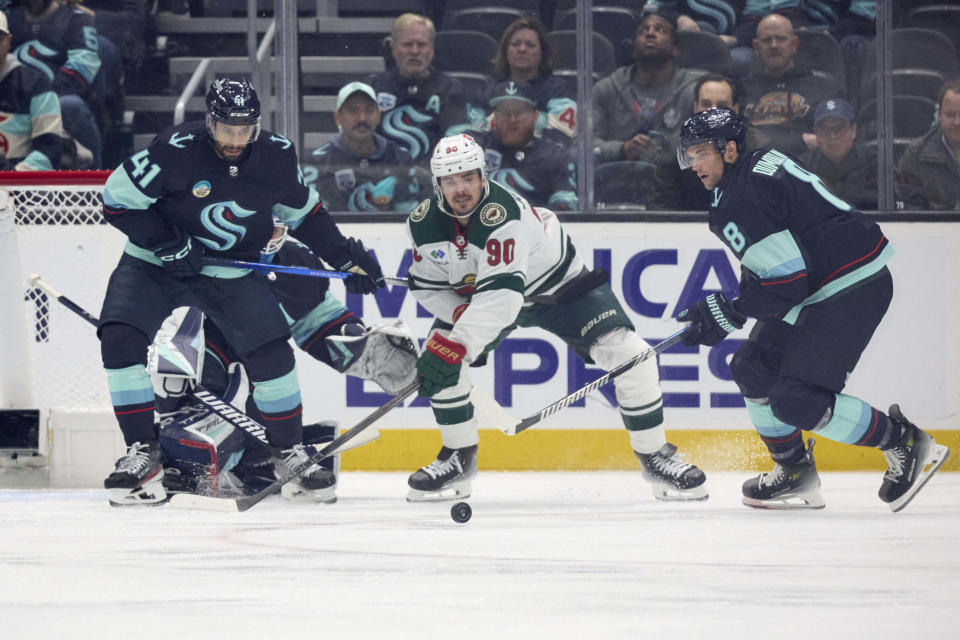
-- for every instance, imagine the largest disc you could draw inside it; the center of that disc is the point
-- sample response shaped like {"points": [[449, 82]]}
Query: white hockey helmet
{"points": [[457, 154]]}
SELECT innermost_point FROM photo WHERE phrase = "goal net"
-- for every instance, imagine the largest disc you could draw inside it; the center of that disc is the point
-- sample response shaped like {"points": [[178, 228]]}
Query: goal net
{"points": [[52, 226]]}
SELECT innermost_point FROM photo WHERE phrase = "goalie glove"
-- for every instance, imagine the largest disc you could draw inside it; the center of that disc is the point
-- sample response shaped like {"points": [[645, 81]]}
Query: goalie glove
{"points": [[367, 276], [711, 320], [439, 365]]}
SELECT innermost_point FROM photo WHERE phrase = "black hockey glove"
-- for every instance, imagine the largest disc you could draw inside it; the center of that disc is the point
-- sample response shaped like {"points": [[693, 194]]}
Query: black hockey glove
{"points": [[367, 276], [711, 320], [181, 257]]}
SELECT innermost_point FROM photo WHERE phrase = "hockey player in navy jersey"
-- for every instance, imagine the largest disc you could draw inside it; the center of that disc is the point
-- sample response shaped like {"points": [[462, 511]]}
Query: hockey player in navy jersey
{"points": [[814, 275], [211, 186]]}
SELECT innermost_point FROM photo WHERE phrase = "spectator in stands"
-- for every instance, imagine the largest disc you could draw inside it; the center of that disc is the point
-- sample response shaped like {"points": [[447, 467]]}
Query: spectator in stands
{"points": [[928, 176], [419, 103], [538, 169], [30, 129], [360, 170], [779, 98], [638, 109], [847, 167], [526, 57], [62, 43], [719, 17], [677, 189]]}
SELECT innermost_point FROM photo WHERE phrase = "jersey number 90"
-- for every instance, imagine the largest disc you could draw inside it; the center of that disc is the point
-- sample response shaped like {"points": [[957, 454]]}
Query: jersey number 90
{"points": [[498, 252]]}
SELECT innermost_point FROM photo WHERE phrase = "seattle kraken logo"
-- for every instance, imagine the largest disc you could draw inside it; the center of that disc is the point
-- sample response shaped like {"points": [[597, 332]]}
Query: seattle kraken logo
{"points": [[216, 219], [512, 178], [405, 125], [36, 55]]}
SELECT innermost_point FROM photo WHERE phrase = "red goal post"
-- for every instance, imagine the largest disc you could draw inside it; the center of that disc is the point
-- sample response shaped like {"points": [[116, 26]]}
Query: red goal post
{"points": [[51, 224]]}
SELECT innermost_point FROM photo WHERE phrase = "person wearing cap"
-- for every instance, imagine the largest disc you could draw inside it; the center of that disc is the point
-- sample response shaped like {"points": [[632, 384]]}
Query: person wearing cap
{"points": [[30, 123], [540, 170], [638, 109], [847, 167], [419, 104], [359, 169], [63, 44], [780, 96], [928, 175]]}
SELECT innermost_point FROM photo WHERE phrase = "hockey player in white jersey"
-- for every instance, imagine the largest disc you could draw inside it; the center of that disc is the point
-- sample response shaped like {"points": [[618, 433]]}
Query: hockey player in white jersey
{"points": [[486, 262]]}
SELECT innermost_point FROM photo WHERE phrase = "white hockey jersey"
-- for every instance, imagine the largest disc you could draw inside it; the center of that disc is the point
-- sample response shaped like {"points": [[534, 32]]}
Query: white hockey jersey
{"points": [[508, 251]]}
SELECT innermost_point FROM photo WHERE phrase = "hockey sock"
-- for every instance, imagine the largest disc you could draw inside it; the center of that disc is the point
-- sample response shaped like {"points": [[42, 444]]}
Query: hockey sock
{"points": [[784, 442], [855, 422], [279, 403], [131, 393]]}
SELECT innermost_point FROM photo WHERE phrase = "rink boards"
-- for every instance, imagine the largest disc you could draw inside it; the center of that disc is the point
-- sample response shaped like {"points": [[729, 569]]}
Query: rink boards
{"points": [[658, 269]]}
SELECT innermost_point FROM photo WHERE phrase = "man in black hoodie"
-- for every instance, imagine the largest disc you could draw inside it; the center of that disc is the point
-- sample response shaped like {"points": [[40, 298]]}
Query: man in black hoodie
{"points": [[779, 96]]}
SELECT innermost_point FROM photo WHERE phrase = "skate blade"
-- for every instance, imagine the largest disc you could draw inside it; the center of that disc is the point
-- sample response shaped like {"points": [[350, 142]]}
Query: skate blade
{"points": [[806, 500], [300, 495], [203, 503], [456, 491], [938, 455], [666, 493], [139, 497]]}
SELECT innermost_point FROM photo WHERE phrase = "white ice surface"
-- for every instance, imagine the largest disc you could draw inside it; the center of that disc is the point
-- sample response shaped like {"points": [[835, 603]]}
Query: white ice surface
{"points": [[546, 555]]}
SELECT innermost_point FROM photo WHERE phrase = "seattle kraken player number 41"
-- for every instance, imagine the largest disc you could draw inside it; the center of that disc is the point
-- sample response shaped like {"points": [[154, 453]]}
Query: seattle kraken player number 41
{"points": [[210, 187], [814, 275]]}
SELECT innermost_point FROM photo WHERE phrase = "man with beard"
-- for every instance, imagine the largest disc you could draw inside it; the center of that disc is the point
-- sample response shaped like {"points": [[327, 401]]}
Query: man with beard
{"points": [[638, 109], [928, 176], [419, 103], [779, 98], [539, 170], [360, 170]]}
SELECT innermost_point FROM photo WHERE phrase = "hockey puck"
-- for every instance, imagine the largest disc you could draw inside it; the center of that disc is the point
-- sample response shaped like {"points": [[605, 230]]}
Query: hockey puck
{"points": [[461, 512], [271, 276]]}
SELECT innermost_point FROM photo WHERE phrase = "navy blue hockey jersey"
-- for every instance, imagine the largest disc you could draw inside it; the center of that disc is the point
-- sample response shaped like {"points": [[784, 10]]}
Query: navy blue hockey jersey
{"points": [[797, 242], [179, 180]]}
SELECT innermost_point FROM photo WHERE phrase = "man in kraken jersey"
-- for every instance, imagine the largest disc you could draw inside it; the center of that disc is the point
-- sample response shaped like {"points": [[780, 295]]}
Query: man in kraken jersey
{"points": [[486, 262], [814, 275]]}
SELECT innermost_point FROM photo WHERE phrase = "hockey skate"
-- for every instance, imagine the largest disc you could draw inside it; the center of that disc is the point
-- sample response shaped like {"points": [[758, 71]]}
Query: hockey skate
{"points": [[138, 477], [316, 484], [787, 486], [446, 478], [670, 478], [912, 460]]}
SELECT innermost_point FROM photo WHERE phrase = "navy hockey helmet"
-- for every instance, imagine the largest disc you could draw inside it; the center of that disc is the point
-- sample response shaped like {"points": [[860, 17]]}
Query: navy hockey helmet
{"points": [[719, 126], [233, 102]]}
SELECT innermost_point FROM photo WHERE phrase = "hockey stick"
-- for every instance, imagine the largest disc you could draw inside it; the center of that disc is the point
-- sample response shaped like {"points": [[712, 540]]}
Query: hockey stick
{"points": [[360, 433], [267, 268], [549, 410], [226, 411]]}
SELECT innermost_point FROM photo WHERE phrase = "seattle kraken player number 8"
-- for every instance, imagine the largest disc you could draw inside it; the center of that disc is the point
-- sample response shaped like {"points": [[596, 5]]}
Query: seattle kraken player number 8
{"points": [[211, 187]]}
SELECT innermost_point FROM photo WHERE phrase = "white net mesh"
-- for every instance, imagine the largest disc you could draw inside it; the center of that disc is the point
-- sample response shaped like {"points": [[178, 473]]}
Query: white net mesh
{"points": [[61, 236]]}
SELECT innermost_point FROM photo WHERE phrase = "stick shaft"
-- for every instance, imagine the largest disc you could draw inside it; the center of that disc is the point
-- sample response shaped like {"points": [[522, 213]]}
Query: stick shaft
{"points": [[332, 448], [567, 400], [46, 287], [266, 267]]}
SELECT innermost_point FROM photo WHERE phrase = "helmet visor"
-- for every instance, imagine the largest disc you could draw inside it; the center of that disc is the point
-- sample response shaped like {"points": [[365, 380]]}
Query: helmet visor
{"points": [[232, 134], [690, 151]]}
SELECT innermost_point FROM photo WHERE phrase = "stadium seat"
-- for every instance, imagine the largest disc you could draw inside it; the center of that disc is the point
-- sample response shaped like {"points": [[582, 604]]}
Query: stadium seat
{"points": [[464, 51], [917, 49], [565, 51], [528, 7], [624, 183], [819, 51], [912, 117], [899, 146], [940, 17], [925, 83], [492, 21], [616, 24], [475, 85], [702, 50]]}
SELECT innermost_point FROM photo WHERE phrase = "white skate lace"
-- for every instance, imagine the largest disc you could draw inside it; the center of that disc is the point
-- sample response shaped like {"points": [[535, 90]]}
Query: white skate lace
{"points": [[896, 459], [296, 456], [439, 467], [670, 466], [773, 478], [137, 459]]}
